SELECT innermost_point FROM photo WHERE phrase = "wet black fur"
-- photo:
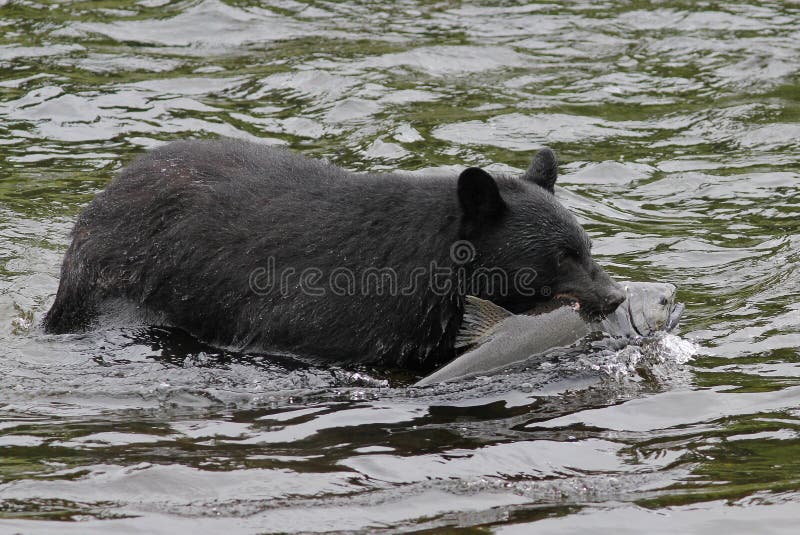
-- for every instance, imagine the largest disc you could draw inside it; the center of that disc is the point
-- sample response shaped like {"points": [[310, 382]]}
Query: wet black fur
{"points": [[180, 230]]}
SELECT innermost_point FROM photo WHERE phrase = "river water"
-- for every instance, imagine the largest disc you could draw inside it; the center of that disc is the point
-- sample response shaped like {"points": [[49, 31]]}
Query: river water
{"points": [[678, 129]]}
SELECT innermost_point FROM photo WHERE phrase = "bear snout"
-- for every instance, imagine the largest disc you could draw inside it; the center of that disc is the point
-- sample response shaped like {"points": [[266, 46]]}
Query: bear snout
{"points": [[613, 299]]}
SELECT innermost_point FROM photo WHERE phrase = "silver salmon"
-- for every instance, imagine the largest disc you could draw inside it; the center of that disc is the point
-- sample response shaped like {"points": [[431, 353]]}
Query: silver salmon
{"points": [[499, 338]]}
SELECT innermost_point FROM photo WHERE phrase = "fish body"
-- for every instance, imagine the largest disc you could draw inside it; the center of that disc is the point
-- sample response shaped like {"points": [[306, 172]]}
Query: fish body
{"points": [[499, 338]]}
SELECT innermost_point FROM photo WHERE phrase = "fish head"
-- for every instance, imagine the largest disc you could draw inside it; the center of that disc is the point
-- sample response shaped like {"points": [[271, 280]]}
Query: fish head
{"points": [[649, 307]]}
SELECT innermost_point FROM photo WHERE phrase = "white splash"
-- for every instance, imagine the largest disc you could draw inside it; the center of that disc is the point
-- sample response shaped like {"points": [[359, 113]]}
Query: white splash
{"points": [[657, 358]]}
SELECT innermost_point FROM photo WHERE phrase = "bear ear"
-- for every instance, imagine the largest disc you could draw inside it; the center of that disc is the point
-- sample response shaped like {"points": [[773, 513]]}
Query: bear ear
{"points": [[543, 170], [479, 195]]}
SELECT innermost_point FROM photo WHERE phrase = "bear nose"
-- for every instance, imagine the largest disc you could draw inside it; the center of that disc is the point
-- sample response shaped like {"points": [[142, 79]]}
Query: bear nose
{"points": [[614, 299]]}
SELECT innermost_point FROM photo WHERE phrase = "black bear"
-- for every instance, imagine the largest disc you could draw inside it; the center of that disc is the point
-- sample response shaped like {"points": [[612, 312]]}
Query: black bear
{"points": [[255, 247]]}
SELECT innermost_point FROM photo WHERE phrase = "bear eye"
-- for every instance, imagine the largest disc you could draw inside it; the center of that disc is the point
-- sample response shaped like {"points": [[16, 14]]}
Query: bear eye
{"points": [[566, 253]]}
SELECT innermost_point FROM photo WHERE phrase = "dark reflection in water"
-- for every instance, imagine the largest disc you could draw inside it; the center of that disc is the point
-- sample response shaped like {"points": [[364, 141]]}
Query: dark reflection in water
{"points": [[677, 125]]}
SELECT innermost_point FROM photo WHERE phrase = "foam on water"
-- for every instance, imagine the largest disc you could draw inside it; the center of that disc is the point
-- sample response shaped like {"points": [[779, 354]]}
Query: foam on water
{"points": [[657, 358]]}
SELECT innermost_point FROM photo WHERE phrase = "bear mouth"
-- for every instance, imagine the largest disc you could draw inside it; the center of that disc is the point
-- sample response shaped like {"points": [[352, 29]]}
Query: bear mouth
{"points": [[569, 300]]}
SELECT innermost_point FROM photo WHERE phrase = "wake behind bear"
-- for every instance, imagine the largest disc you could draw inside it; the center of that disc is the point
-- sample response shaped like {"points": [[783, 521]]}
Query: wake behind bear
{"points": [[258, 248]]}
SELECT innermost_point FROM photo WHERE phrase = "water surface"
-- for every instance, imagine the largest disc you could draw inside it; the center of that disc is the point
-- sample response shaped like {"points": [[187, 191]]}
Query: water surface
{"points": [[678, 128]]}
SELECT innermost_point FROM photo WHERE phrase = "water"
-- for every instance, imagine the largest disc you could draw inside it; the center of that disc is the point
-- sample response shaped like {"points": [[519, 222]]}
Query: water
{"points": [[678, 127]]}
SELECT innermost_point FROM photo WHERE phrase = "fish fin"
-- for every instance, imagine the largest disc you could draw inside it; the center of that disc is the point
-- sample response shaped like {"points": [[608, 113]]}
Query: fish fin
{"points": [[480, 319]]}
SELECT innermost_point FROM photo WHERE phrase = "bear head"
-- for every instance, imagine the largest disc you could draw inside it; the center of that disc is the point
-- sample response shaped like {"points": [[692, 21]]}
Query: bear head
{"points": [[521, 232]]}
